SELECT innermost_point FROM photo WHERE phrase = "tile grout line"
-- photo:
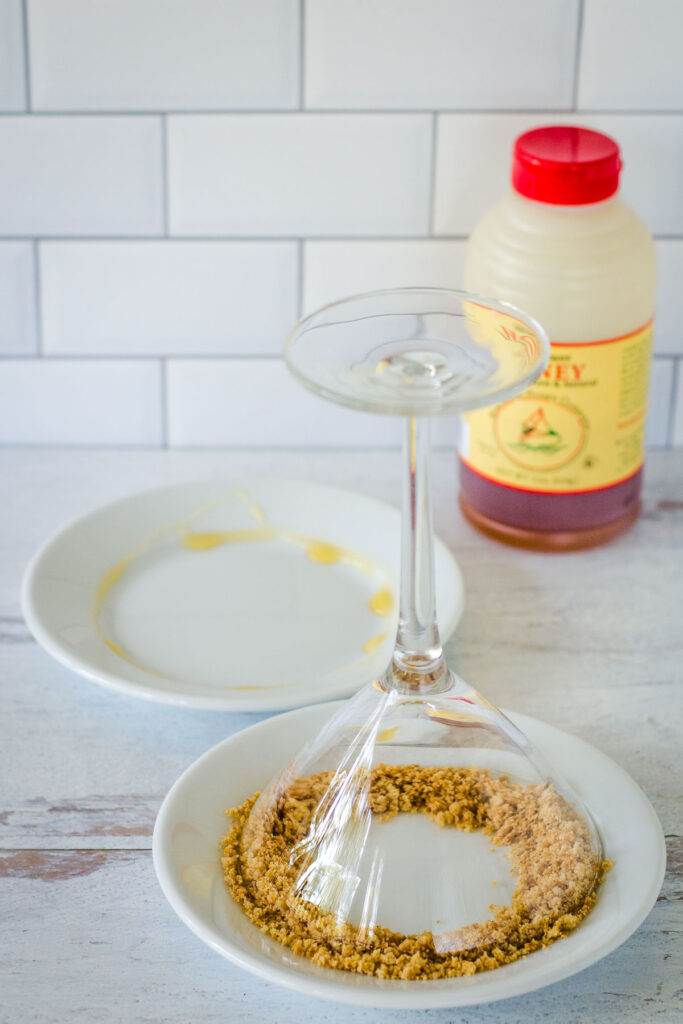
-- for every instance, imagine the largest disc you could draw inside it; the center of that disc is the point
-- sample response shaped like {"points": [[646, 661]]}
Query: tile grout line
{"points": [[302, 54], [165, 199], [673, 402], [432, 174], [137, 357], [443, 448], [38, 298], [79, 239], [266, 239], [95, 112], [27, 54], [577, 55], [217, 356], [117, 446]]}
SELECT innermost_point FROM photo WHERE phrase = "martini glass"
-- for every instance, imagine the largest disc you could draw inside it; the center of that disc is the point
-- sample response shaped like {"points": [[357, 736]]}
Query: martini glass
{"points": [[347, 835]]}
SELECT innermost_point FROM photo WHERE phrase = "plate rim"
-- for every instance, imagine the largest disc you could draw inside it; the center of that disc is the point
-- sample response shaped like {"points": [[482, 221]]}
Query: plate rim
{"points": [[420, 998], [114, 682]]}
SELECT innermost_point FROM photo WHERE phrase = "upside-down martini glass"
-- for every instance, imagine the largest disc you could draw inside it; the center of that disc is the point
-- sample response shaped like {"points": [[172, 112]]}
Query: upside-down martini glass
{"points": [[415, 353]]}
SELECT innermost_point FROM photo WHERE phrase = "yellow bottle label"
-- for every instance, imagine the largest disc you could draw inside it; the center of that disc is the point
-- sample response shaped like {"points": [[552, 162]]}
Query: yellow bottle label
{"points": [[578, 428]]}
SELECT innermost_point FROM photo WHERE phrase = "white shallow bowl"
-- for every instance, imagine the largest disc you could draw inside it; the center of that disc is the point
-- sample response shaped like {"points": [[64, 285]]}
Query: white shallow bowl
{"points": [[251, 623], [191, 822]]}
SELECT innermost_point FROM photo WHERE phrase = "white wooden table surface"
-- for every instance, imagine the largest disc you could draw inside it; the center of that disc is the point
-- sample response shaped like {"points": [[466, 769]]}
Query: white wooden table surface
{"points": [[591, 642]]}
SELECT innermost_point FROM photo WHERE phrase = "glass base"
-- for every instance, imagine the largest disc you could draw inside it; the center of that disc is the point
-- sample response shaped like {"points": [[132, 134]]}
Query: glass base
{"points": [[416, 351]]}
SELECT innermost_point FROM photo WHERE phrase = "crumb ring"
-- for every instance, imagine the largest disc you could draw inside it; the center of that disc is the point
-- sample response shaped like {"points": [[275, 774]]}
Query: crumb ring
{"points": [[548, 844]]}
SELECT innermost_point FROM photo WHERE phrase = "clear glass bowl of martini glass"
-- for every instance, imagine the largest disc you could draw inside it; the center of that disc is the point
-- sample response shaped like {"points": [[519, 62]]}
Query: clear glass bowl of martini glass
{"points": [[419, 835]]}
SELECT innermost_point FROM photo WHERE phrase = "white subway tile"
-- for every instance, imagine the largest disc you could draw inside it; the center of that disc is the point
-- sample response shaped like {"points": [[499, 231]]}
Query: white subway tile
{"points": [[12, 75], [85, 175], [473, 165], [17, 299], [334, 269], [440, 53], [295, 174], [669, 320], [157, 298], [631, 55], [65, 401], [164, 54], [659, 408], [256, 403], [474, 153], [652, 150]]}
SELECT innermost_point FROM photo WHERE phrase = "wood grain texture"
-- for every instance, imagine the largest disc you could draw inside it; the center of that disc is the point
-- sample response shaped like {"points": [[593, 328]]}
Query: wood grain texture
{"points": [[590, 642], [102, 945]]}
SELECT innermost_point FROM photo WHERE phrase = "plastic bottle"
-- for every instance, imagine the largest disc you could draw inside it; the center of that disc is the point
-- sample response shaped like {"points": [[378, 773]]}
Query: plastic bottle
{"points": [[560, 467]]}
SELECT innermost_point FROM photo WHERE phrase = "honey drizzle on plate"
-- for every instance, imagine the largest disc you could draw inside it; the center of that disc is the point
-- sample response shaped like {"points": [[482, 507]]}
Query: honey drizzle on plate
{"points": [[318, 551]]}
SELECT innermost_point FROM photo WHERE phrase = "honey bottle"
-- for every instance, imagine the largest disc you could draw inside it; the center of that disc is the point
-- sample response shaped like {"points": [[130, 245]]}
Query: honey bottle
{"points": [[560, 466]]}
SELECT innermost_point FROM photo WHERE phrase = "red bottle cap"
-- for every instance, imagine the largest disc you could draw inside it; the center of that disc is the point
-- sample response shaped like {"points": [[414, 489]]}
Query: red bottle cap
{"points": [[565, 165]]}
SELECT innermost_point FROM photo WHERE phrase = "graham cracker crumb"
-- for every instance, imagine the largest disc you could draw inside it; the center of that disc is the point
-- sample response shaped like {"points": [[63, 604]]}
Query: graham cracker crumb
{"points": [[548, 844]]}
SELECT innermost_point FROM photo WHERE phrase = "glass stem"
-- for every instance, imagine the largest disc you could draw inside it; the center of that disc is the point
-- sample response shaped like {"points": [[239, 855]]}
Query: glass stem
{"points": [[418, 660]]}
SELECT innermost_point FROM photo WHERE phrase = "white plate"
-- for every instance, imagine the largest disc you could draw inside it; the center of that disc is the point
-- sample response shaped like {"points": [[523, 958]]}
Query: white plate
{"points": [[192, 820], [256, 615]]}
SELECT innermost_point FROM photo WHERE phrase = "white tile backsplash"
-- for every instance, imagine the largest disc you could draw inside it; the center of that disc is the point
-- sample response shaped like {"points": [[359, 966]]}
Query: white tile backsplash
{"points": [[108, 402], [12, 71], [299, 174], [669, 320], [17, 299], [156, 298], [257, 403], [659, 410], [195, 175], [335, 268], [440, 53], [164, 54], [631, 55], [474, 154], [80, 175]]}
